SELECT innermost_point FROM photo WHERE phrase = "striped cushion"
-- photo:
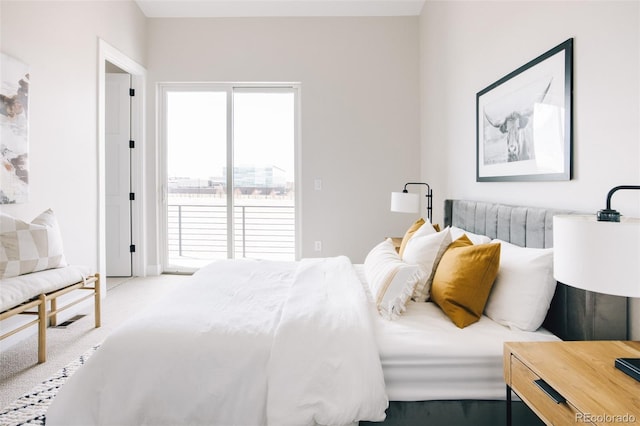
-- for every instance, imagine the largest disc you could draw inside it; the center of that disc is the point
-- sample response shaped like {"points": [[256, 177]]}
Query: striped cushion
{"points": [[391, 281], [29, 247]]}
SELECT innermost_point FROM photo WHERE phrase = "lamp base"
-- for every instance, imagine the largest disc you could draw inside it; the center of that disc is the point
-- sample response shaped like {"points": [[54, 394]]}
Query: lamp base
{"points": [[608, 215], [629, 366]]}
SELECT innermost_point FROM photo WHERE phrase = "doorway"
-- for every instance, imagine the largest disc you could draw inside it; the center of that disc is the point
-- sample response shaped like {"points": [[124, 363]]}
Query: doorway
{"points": [[131, 230]]}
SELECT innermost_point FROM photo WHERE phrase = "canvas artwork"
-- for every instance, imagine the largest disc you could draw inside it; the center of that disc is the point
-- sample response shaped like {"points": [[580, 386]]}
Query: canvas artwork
{"points": [[14, 130]]}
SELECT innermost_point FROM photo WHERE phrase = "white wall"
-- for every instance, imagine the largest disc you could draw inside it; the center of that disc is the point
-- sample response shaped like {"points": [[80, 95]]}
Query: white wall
{"points": [[467, 45], [361, 109], [359, 79], [59, 41]]}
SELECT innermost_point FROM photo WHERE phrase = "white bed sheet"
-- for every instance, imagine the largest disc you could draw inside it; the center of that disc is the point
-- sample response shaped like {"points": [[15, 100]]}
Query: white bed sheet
{"points": [[425, 356], [241, 343]]}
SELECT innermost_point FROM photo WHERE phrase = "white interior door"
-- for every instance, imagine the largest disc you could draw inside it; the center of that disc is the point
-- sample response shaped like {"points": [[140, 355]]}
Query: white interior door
{"points": [[118, 174]]}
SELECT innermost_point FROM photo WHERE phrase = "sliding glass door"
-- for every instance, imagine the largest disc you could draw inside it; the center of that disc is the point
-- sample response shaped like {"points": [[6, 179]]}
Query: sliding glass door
{"points": [[196, 147], [230, 173], [263, 173]]}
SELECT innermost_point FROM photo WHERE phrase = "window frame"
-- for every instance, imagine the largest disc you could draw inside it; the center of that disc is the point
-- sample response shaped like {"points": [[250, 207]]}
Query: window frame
{"points": [[229, 88]]}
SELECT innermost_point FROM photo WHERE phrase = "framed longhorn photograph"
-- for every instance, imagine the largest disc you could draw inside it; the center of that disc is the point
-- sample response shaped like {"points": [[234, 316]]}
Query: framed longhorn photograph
{"points": [[523, 121]]}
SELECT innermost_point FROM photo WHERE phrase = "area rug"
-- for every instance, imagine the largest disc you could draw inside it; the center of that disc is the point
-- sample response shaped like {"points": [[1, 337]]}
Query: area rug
{"points": [[31, 408]]}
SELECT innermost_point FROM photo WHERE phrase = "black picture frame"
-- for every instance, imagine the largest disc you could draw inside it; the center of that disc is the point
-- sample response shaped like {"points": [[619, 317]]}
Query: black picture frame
{"points": [[524, 121]]}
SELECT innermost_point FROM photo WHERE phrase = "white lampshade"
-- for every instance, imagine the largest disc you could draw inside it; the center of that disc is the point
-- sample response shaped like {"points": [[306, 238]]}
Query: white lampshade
{"points": [[603, 257], [405, 202]]}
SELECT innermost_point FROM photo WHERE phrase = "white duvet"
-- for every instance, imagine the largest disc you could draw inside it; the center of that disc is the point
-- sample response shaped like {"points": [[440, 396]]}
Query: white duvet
{"points": [[243, 343]]}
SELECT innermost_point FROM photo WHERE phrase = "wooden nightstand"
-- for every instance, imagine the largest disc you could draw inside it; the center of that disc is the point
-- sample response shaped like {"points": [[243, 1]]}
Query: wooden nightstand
{"points": [[580, 375]]}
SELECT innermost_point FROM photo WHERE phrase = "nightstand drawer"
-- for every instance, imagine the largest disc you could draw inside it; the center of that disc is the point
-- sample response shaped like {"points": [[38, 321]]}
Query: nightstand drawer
{"points": [[523, 383]]}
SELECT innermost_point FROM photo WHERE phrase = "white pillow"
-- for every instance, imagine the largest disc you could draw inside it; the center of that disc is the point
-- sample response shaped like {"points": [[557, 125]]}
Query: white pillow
{"points": [[475, 238], [29, 247], [390, 280], [426, 251], [524, 287], [426, 229]]}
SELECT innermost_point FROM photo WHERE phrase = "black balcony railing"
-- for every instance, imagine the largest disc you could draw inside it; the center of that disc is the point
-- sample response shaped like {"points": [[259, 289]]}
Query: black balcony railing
{"points": [[200, 232]]}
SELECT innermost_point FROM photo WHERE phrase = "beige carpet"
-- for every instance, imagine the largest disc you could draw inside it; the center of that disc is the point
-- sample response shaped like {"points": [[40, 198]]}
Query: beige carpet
{"points": [[19, 370]]}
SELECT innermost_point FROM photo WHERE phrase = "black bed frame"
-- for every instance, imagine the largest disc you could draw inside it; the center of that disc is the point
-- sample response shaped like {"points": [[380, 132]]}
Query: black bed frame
{"points": [[574, 314]]}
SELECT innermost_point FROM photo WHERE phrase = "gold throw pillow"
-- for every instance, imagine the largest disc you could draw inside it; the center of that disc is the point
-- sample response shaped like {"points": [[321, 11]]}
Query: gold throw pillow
{"points": [[463, 280]]}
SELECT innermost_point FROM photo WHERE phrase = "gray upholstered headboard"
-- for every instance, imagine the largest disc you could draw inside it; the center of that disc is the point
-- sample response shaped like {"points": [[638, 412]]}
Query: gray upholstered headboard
{"points": [[574, 314]]}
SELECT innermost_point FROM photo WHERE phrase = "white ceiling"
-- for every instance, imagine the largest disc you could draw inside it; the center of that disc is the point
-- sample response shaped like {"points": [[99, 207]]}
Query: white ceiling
{"points": [[261, 8]]}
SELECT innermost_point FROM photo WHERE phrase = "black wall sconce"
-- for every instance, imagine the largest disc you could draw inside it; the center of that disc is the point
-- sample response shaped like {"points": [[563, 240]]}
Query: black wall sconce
{"points": [[608, 214], [406, 202]]}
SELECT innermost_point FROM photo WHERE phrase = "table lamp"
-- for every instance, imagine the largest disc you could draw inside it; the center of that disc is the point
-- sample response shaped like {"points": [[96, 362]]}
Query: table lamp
{"points": [[600, 254]]}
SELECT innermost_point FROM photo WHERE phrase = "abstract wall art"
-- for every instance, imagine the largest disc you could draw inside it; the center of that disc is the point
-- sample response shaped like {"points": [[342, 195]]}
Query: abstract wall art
{"points": [[14, 130]]}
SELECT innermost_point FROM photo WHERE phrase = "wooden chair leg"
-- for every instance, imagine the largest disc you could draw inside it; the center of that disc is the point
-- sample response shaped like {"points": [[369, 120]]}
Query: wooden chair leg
{"points": [[53, 319], [42, 329], [97, 307]]}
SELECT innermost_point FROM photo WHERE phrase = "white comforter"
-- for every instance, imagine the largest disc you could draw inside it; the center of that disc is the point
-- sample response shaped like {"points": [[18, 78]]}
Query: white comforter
{"points": [[244, 343]]}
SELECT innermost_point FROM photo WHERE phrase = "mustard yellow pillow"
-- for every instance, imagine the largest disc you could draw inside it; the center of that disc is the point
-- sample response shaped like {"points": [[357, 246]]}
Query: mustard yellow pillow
{"points": [[463, 280], [407, 236]]}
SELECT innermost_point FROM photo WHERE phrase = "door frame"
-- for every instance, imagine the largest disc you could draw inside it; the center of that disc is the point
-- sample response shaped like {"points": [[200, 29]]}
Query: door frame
{"points": [[108, 53]]}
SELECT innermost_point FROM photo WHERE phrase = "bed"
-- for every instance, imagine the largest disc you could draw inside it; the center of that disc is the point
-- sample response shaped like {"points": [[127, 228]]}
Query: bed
{"points": [[300, 354], [573, 315]]}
